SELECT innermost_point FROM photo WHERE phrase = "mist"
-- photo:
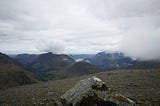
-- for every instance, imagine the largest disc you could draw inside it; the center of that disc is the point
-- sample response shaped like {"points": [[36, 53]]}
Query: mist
{"points": [[55, 47]]}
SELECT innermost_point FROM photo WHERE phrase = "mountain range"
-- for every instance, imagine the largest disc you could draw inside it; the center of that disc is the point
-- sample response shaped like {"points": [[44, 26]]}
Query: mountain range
{"points": [[49, 66], [117, 60], [41, 64], [31, 68]]}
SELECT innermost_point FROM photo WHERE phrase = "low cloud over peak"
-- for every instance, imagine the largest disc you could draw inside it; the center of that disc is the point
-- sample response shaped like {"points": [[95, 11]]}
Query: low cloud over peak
{"points": [[50, 46]]}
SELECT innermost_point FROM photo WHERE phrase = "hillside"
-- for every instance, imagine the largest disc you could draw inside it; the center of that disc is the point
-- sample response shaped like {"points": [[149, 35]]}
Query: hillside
{"points": [[25, 59], [82, 68], [77, 69], [142, 86], [42, 64], [12, 74]]}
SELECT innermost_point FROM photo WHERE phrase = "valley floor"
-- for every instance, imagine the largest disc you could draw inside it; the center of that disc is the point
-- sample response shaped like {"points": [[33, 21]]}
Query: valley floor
{"points": [[142, 86]]}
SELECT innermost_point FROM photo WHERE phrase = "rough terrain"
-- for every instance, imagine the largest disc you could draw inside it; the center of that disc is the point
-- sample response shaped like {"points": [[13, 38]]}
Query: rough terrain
{"points": [[142, 86]]}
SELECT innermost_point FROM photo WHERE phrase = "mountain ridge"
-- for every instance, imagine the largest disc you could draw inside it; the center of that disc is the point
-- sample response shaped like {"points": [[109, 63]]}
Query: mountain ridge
{"points": [[118, 60], [42, 64]]}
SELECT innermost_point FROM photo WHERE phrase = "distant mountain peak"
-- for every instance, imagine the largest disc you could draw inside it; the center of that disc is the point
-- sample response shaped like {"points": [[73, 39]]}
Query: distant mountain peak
{"points": [[48, 53], [117, 60], [41, 64], [101, 53]]}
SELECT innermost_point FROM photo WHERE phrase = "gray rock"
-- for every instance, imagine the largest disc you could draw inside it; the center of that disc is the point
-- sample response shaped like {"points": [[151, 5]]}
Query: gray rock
{"points": [[94, 92]]}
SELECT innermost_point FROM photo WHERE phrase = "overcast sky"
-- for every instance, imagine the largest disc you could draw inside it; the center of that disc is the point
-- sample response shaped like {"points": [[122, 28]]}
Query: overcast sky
{"points": [[81, 26]]}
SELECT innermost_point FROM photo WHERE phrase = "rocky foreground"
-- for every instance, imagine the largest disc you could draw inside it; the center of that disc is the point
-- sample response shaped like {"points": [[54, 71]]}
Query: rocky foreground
{"points": [[141, 86], [93, 91]]}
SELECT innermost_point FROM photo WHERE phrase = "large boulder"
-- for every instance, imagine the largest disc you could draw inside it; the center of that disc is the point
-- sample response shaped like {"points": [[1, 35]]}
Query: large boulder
{"points": [[94, 92]]}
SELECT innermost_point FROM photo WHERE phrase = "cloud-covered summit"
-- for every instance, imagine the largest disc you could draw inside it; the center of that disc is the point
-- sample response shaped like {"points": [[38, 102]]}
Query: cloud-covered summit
{"points": [[81, 26]]}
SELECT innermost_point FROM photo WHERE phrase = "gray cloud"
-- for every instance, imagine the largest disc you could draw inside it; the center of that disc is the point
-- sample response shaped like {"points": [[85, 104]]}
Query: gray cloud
{"points": [[50, 46], [76, 26], [142, 41]]}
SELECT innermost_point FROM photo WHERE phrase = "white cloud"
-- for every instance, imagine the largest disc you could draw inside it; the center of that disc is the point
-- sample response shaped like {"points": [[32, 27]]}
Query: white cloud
{"points": [[81, 26]]}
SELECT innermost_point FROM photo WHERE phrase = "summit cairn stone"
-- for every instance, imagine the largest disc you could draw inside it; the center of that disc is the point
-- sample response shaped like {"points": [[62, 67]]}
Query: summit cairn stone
{"points": [[94, 92]]}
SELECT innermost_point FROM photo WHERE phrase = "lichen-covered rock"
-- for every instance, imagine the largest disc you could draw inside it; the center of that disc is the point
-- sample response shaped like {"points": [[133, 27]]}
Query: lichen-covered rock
{"points": [[93, 92]]}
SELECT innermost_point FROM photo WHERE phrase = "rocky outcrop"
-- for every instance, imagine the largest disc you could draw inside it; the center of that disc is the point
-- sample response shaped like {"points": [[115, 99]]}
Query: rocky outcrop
{"points": [[94, 92]]}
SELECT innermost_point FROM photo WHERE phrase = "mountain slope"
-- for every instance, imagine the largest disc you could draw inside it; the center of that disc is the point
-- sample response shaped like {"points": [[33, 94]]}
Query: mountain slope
{"points": [[42, 64], [50, 61], [77, 69], [82, 68], [25, 59], [12, 74]]}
